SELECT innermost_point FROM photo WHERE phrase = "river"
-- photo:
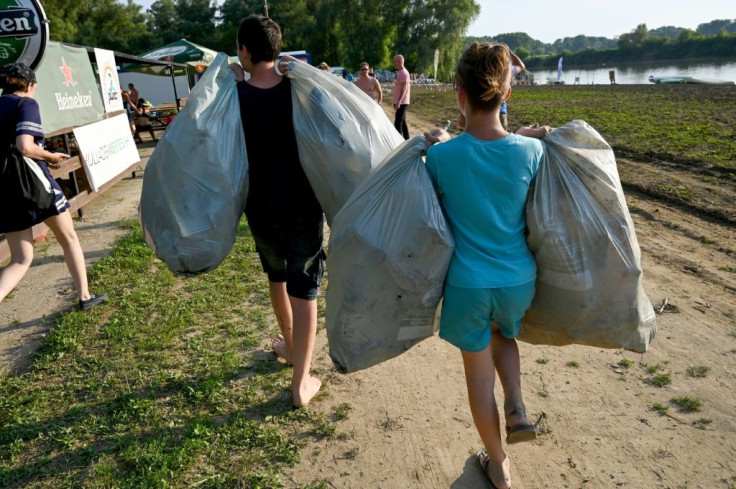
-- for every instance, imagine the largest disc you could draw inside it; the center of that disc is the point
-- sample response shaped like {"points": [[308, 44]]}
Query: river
{"points": [[639, 73]]}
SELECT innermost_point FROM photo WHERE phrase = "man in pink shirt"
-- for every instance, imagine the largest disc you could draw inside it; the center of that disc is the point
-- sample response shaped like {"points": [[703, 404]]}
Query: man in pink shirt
{"points": [[401, 96]]}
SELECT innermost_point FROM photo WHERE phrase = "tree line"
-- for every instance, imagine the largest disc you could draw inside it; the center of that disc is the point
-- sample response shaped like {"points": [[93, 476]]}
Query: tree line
{"points": [[339, 32], [347, 32], [714, 39]]}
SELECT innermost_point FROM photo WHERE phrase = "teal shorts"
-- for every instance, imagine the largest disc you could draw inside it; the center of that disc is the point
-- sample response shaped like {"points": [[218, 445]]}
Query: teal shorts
{"points": [[467, 314]]}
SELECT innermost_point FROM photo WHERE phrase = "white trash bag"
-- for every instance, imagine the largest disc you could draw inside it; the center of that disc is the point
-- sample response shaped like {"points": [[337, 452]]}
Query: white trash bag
{"points": [[589, 279], [341, 132], [389, 251], [196, 182]]}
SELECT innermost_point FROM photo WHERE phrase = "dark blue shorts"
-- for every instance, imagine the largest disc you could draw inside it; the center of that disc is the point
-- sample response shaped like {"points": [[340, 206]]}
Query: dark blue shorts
{"points": [[291, 251]]}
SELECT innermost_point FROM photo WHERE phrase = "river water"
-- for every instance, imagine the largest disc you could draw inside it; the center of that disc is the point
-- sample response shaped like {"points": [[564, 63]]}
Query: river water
{"points": [[639, 73]]}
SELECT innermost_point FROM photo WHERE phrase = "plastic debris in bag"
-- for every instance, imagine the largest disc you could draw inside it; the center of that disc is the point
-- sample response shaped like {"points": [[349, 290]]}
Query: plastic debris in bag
{"points": [[341, 132], [589, 277], [195, 185], [390, 247]]}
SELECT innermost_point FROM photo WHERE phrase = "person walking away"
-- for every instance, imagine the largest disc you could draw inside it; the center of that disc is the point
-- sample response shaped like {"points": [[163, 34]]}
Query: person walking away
{"points": [[369, 84], [491, 278], [284, 216], [401, 96], [20, 125], [517, 66]]}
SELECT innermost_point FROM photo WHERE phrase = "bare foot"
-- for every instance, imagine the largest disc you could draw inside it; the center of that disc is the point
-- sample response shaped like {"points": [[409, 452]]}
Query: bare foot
{"points": [[304, 393], [279, 348]]}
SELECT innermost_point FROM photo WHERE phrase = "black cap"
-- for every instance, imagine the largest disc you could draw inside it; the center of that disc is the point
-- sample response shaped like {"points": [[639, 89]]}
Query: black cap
{"points": [[18, 70]]}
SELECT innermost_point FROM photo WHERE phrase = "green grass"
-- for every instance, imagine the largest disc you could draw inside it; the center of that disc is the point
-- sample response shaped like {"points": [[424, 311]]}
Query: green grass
{"points": [[625, 363], [542, 361], [573, 364], [661, 379], [639, 121], [687, 404], [698, 372], [165, 386], [660, 408]]}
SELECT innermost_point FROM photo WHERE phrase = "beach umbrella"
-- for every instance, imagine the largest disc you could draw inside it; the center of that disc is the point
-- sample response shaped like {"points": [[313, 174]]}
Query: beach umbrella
{"points": [[183, 51]]}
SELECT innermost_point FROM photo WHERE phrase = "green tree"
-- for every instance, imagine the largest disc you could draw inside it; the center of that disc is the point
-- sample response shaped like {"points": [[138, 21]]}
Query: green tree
{"points": [[164, 21], [197, 21], [111, 25], [635, 38]]}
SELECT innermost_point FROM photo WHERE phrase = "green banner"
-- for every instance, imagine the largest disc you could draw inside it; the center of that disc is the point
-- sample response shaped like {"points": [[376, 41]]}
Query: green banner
{"points": [[67, 88]]}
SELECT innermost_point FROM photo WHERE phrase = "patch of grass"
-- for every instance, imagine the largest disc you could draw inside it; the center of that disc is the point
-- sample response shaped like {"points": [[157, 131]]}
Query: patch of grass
{"points": [[163, 386], [627, 116], [652, 369], [573, 364], [702, 422], [728, 268], [660, 408], [625, 363], [661, 379], [687, 404], [543, 394], [698, 372], [542, 361], [342, 411]]}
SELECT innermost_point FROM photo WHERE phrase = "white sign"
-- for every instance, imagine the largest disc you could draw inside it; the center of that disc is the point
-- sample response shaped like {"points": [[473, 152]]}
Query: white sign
{"points": [[107, 149], [112, 95]]}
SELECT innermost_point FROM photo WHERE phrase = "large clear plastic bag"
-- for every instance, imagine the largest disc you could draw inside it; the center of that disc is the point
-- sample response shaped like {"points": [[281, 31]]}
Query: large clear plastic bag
{"points": [[390, 247], [589, 277], [341, 132], [195, 185]]}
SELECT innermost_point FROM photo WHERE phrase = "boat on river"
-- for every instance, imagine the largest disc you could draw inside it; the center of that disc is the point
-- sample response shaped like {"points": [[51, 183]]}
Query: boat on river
{"points": [[688, 79]]}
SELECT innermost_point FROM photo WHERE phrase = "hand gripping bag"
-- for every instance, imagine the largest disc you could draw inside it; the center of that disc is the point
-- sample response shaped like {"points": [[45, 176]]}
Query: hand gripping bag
{"points": [[589, 277], [390, 248], [341, 132], [195, 185]]}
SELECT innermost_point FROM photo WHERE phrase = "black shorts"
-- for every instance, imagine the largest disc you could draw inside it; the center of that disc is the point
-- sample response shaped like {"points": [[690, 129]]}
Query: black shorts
{"points": [[291, 251], [15, 219]]}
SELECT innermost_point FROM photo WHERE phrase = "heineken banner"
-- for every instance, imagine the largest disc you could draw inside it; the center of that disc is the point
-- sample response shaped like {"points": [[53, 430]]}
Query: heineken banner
{"points": [[67, 90], [107, 149], [24, 32], [108, 73]]}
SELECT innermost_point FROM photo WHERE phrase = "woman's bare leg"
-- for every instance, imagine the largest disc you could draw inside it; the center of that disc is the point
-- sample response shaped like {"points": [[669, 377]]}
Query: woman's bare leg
{"points": [[63, 228], [21, 256]]}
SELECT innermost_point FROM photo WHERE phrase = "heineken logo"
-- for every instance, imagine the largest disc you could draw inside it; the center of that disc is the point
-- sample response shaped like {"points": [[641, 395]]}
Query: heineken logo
{"points": [[18, 22], [24, 32]]}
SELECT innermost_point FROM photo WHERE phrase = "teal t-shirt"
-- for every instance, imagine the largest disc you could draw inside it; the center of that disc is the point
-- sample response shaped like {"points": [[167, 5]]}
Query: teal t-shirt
{"points": [[483, 187]]}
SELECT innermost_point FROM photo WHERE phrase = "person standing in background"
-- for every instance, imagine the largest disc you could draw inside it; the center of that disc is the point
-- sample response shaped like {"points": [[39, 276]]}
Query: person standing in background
{"points": [[133, 95], [368, 84], [517, 66], [401, 96]]}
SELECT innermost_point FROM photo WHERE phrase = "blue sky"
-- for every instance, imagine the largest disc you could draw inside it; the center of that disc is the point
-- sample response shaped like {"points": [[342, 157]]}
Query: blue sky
{"points": [[549, 20]]}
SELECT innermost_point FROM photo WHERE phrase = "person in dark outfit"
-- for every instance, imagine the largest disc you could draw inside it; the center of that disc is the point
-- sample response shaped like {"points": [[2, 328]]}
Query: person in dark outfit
{"points": [[20, 125], [283, 214]]}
